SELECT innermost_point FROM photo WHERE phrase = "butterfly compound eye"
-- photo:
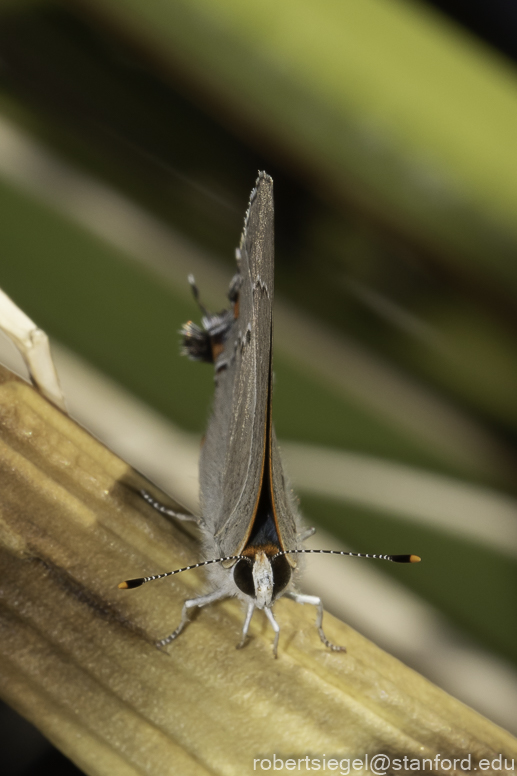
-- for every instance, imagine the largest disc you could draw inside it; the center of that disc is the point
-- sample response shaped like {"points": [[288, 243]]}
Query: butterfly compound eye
{"points": [[281, 574], [243, 576]]}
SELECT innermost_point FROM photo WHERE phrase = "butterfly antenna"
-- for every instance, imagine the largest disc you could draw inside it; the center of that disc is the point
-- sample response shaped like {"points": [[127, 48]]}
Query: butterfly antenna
{"points": [[392, 558], [130, 583]]}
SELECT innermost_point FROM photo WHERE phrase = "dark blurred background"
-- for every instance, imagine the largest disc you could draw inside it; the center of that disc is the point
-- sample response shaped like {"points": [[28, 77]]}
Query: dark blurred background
{"points": [[390, 133]]}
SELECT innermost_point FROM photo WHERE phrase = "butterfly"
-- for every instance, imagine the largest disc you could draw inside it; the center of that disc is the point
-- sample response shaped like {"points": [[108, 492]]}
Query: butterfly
{"points": [[251, 529]]}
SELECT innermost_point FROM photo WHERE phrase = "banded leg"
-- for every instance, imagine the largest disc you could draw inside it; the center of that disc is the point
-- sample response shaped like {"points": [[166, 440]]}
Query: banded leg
{"points": [[155, 504], [301, 598], [249, 614], [276, 628], [200, 601]]}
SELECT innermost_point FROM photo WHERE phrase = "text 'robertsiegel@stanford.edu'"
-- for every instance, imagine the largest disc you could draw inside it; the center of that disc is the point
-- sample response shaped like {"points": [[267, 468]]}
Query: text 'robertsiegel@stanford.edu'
{"points": [[383, 764]]}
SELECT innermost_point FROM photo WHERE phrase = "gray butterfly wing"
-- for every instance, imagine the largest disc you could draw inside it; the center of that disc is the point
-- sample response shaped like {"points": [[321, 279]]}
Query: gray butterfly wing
{"points": [[285, 508], [233, 455]]}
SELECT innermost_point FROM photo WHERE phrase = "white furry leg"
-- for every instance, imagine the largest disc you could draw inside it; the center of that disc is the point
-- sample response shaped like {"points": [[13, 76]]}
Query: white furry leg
{"points": [[276, 628], [200, 601], [249, 614], [300, 598]]}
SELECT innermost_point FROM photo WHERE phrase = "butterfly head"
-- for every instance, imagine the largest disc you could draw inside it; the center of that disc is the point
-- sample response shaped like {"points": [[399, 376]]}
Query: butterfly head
{"points": [[262, 574]]}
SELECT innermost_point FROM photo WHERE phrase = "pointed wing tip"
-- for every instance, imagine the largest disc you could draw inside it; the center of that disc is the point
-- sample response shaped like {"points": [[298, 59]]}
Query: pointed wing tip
{"points": [[263, 176]]}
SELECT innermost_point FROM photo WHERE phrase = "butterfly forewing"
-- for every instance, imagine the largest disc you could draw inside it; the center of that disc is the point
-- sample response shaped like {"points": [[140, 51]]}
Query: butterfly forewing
{"points": [[236, 435]]}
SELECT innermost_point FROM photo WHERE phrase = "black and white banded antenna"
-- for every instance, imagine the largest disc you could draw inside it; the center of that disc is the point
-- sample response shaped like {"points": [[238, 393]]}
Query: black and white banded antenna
{"points": [[131, 583]]}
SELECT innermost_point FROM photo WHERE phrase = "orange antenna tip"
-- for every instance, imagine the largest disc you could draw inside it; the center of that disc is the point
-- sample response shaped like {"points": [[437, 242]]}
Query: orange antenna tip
{"points": [[414, 559]]}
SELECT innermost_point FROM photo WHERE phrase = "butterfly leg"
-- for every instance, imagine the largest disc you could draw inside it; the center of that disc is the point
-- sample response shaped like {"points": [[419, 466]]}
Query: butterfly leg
{"points": [[249, 614], [195, 293], [302, 537], [301, 598], [166, 510], [276, 628], [200, 601]]}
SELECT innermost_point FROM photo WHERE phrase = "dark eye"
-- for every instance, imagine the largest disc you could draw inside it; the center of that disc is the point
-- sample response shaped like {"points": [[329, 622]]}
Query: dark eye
{"points": [[243, 576], [281, 574]]}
